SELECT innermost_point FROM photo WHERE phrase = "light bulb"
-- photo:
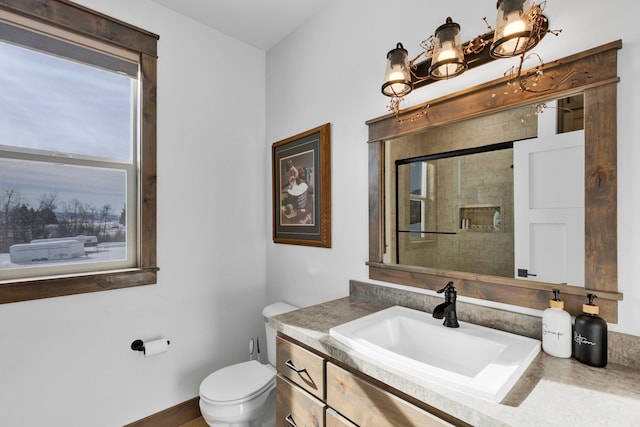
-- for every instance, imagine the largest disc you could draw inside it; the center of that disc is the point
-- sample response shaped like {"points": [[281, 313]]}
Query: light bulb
{"points": [[515, 24], [447, 52], [397, 73]]}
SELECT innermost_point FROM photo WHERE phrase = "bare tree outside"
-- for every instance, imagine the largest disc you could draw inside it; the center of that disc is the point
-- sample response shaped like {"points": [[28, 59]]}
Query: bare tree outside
{"points": [[105, 213], [22, 223], [9, 200]]}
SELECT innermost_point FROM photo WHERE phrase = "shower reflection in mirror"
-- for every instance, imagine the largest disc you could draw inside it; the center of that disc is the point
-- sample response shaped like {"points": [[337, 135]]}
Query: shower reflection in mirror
{"points": [[513, 202]]}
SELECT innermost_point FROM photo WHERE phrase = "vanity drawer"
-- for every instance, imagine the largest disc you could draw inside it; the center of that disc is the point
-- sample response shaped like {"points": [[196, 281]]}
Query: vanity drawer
{"points": [[296, 407], [367, 405], [301, 366], [333, 419]]}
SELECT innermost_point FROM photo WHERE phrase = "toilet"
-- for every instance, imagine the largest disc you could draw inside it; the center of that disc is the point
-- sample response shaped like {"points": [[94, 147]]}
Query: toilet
{"points": [[243, 395]]}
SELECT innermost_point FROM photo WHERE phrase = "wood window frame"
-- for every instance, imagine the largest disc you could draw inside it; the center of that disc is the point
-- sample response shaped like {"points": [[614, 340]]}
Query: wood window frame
{"points": [[77, 19], [593, 73]]}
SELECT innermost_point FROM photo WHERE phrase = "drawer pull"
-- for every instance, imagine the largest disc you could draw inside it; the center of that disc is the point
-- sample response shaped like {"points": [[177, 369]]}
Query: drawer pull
{"points": [[289, 420], [291, 366]]}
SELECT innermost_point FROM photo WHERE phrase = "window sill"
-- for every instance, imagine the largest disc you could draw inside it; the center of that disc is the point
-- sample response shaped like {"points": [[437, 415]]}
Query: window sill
{"points": [[16, 291]]}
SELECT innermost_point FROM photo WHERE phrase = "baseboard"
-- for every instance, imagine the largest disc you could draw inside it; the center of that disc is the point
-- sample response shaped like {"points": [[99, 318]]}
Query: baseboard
{"points": [[171, 417]]}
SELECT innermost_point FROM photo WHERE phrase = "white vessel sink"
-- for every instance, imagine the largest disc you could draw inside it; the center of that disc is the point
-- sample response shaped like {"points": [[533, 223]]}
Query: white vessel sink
{"points": [[474, 359]]}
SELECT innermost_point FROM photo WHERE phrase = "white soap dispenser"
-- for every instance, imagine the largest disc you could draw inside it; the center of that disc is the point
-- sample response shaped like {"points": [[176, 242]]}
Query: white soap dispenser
{"points": [[497, 220], [556, 329]]}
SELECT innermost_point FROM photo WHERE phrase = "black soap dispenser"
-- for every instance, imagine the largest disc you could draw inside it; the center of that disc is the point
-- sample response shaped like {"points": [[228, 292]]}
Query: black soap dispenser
{"points": [[590, 336]]}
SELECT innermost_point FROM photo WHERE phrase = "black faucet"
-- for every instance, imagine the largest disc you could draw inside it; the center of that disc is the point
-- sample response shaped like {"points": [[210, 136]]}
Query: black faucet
{"points": [[447, 309]]}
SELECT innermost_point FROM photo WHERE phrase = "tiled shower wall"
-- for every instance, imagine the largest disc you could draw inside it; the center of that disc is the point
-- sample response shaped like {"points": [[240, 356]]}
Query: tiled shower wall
{"points": [[483, 181]]}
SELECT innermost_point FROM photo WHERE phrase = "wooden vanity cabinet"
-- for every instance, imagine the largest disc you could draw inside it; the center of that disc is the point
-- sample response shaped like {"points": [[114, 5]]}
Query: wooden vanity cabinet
{"points": [[368, 405], [296, 407], [334, 419], [314, 392], [300, 366], [300, 390]]}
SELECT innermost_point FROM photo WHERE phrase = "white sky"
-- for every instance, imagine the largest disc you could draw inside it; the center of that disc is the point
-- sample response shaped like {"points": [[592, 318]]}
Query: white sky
{"points": [[63, 107]]}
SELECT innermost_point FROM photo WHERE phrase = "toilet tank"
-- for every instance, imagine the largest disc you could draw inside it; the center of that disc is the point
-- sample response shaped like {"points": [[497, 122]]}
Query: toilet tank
{"points": [[270, 311]]}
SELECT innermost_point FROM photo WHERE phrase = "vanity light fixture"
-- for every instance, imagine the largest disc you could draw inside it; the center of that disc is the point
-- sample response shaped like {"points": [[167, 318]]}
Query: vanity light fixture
{"points": [[447, 60], [520, 26], [397, 78], [515, 29]]}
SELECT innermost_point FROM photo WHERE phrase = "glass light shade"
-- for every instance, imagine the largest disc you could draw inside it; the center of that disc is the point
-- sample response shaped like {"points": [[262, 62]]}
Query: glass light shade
{"points": [[397, 78], [514, 32], [448, 59]]}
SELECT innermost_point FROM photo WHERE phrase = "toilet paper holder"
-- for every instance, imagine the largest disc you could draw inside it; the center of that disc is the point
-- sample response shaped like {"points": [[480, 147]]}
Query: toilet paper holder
{"points": [[138, 345]]}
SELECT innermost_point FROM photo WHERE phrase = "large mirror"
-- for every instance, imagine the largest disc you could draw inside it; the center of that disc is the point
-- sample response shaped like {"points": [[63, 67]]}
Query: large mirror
{"points": [[422, 153], [499, 195]]}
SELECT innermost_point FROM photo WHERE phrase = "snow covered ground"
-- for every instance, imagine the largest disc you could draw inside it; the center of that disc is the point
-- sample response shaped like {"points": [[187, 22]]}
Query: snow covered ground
{"points": [[102, 252]]}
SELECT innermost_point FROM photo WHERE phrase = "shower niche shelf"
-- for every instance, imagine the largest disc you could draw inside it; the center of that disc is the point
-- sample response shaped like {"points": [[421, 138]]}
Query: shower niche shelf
{"points": [[481, 218]]}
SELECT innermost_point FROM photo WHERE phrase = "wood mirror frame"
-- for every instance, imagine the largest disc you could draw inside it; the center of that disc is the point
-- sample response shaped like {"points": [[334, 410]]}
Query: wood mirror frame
{"points": [[593, 73]]}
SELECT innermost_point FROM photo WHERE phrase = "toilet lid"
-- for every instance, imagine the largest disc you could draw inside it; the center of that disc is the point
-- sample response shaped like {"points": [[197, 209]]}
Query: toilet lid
{"points": [[237, 382]]}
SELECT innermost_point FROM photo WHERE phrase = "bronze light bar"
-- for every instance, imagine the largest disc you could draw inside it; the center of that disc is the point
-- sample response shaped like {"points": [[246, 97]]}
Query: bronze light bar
{"points": [[477, 53]]}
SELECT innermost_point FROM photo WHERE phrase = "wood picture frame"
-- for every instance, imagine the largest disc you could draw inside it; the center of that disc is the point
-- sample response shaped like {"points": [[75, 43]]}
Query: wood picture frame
{"points": [[301, 188]]}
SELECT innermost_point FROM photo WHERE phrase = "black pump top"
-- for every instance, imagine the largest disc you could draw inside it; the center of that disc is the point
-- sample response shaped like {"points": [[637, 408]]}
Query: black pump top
{"points": [[591, 308], [556, 302], [447, 288]]}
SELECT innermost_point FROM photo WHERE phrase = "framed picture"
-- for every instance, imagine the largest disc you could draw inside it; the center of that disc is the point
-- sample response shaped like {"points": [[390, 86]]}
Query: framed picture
{"points": [[301, 182]]}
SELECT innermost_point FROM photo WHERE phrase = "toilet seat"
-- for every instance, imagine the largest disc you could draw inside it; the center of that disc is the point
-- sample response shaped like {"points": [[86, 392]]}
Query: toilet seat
{"points": [[237, 383]]}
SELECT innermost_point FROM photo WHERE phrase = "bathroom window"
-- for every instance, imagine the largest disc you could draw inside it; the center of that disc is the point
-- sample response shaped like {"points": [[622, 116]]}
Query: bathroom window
{"points": [[421, 200], [76, 157]]}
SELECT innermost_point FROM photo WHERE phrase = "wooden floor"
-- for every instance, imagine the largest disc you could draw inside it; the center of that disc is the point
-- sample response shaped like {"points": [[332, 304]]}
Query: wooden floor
{"points": [[198, 422]]}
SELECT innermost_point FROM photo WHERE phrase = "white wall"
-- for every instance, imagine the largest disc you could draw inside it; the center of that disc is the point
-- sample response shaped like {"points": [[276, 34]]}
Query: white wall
{"points": [[331, 69], [66, 361]]}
